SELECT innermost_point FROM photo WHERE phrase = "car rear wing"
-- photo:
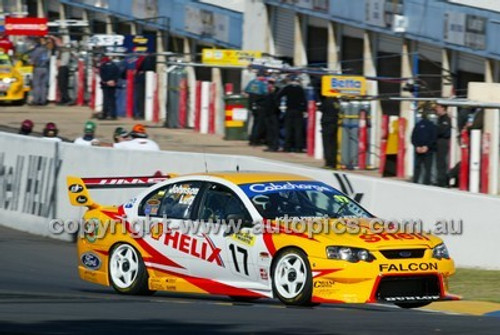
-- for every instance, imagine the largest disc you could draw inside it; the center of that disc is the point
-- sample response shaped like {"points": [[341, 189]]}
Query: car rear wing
{"points": [[78, 187]]}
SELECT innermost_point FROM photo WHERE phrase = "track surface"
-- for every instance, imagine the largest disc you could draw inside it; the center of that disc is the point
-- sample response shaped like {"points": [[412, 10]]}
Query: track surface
{"points": [[40, 293]]}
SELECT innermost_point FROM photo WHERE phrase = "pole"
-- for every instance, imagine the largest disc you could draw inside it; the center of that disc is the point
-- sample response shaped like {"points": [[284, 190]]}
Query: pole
{"points": [[383, 142], [401, 148], [183, 103], [197, 106], [363, 140], [130, 93], [211, 108], [485, 163], [475, 160], [149, 96], [311, 126], [464, 163]]}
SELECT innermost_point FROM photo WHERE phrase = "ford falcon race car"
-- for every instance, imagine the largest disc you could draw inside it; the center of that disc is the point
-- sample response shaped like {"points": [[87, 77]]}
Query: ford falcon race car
{"points": [[11, 81], [260, 257]]}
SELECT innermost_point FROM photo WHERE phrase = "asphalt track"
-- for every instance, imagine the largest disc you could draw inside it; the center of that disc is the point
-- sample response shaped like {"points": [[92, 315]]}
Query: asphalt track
{"points": [[40, 293]]}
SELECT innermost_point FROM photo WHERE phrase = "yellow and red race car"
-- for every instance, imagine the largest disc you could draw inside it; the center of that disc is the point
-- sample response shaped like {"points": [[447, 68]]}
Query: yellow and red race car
{"points": [[12, 88], [232, 234]]}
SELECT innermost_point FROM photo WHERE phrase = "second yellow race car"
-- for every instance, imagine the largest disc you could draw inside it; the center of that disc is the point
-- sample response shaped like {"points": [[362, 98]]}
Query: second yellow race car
{"points": [[12, 88], [180, 235]]}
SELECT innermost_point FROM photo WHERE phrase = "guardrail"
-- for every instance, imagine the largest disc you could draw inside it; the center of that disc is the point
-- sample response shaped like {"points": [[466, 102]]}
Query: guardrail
{"points": [[33, 190]]}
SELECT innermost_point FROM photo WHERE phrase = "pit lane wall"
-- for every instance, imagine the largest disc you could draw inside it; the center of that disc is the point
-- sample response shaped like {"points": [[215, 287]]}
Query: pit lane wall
{"points": [[29, 197]]}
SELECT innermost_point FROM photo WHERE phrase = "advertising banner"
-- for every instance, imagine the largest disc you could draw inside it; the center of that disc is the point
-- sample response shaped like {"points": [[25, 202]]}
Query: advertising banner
{"points": [[26, 26], [466, 30], [229, 57], [336, 86], [140, 43]]}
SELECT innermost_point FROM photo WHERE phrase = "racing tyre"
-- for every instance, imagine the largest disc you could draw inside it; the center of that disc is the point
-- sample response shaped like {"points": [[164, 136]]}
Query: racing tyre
{"points": [[127, 272], [292, 279], [409, 305]]}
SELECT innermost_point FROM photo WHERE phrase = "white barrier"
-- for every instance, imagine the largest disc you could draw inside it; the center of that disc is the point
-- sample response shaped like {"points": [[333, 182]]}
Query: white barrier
{"points": [[27, 161]]}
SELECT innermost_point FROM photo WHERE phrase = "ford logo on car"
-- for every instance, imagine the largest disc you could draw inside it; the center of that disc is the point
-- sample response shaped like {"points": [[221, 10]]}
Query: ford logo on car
{"points": [[91, 261]]}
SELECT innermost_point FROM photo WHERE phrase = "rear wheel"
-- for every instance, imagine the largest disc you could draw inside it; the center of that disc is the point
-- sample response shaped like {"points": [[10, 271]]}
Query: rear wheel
{"points": [[292, 280], [409, 305], [127, 272]]}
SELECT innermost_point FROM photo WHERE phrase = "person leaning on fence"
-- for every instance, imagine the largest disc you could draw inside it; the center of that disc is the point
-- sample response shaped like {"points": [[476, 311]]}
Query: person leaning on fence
{"points": [[50, 132], [26, 127], [423, 138], [442, 144], [88, 137], [139, 141]]}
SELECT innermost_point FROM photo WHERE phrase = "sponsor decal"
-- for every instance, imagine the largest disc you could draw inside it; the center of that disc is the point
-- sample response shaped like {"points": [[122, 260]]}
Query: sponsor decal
{"points": [[412, 298], [372, 238], [91, 229], [183, 190], [245, 238], [75, 188], [130, 203], [273, 187], [81, 199], [411, 267], [340, 85], [264, 275], [324, 284], [91, 261], [202, 249], [26, 26]]}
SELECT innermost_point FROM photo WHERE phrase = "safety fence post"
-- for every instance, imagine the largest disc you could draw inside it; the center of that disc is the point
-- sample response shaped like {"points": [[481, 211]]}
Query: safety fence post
{"points": [[475, 160], [383, 142], [183, 90], [93, 88], [485, 163], [211, 108], [311, 126], [149, 96], [130, 94], [363, 140], [228, 88], [205, 102], [401, 148], [197, 106], [463, 184], [80, 93], [156, 101]]}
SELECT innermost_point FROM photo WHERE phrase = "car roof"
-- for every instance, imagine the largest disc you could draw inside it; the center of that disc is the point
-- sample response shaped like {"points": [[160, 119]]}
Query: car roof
{"points": [[247, 177]]}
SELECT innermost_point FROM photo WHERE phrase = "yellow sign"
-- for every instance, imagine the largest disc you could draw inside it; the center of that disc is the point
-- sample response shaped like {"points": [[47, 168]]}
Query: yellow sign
{"points": [[229, 56], [336, 86]]}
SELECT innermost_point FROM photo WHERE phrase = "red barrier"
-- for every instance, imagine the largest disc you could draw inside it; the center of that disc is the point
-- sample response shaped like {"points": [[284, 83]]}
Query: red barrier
{"points": [[383, 143], [485, 163], [80, 95], [93, 87], [228, 88], [129, 107], [197, 106], [463, 183], [156, 102], [401, 148], [311, 126], [211, 108], [363, 140], [183, 103]]}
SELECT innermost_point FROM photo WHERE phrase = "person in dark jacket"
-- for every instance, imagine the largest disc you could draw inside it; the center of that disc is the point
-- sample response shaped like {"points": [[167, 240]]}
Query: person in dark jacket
{"points": [[110, 73], [257, 91], [294, 116], [330, 109], [424, 138], [442, 144], [272, 117]]}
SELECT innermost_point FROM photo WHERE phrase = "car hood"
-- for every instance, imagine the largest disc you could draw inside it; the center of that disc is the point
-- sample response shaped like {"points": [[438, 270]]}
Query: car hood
{"points": [[360, 233], [6, 72]]}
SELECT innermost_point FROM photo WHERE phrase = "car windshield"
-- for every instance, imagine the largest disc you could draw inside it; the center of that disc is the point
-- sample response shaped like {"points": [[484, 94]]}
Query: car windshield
{"points": [[301, 199]]}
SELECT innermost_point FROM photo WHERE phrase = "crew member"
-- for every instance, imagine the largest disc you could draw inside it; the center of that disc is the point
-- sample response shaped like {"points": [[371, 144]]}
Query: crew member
{"points": [[139, 141], [257, 91], [110, 73], [272, 117], [330, 108], [294, 115], [424, 138], [50, 132], [443, 144], [41, 61]]}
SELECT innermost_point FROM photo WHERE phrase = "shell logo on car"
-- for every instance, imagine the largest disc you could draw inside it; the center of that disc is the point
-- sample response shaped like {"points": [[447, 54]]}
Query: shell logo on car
{"points": [[230, 234]]}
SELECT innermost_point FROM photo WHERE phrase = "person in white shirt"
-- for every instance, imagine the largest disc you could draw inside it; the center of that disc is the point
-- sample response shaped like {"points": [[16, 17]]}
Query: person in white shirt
{"points": [[50, 132], [139, 140], [88, 138]]}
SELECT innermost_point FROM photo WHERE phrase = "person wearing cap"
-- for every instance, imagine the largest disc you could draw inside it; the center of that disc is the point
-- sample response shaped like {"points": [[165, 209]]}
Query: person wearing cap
{"points": [[26, 127], [120, 135], [50, 132], [88, 135], [423, 138], [257, 91], [139, 141]]}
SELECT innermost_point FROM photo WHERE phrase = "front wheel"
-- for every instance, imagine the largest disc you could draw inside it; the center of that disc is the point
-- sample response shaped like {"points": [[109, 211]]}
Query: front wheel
{"points": [[127, 272], [291, 277]]}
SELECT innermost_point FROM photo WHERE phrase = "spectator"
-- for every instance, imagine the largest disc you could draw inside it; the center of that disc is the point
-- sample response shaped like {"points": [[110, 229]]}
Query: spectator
{"points": [[329, 130], [88, 138], [6, 45], [50, 132], [40, 59], [26, 127], [443, 144], [120, 135], [294, 115], [272, 117], [63, 76], [424, 138], [257, 90], [110, 73], [139, 141]]}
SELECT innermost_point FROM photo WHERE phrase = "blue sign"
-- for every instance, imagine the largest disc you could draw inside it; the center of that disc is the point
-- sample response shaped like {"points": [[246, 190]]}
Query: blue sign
{"points": [[140, 43]]}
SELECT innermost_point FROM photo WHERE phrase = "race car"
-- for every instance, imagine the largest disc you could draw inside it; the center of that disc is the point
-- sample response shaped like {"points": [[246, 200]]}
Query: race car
{"points": [[11, 81], [229, 233]]}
